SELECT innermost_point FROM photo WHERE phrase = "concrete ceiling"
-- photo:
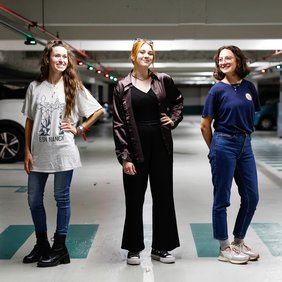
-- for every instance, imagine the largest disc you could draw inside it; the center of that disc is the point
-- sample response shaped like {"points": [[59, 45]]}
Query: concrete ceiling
{"points": [[186, 34]]}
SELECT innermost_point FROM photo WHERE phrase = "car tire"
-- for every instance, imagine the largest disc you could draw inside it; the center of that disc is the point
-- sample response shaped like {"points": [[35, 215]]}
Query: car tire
{"points": [[266, 123], [11, 145]]}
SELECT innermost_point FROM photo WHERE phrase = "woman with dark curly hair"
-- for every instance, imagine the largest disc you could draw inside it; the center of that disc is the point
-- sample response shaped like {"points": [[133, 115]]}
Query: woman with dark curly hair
{"points": [[231, 105], [53, 106]]}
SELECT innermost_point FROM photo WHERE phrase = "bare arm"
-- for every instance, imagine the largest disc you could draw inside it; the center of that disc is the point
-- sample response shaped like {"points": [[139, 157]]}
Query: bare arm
{"points": [[206, 129], [93, 118], [28, 161], [69, 127]]}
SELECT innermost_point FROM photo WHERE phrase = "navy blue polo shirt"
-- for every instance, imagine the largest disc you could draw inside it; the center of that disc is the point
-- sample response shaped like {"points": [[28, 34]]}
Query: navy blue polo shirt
{"points": [[233, 110]]}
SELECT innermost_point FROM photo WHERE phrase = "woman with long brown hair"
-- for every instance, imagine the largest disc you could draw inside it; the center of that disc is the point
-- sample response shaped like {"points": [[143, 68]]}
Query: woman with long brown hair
{"points": [[53, 106]]}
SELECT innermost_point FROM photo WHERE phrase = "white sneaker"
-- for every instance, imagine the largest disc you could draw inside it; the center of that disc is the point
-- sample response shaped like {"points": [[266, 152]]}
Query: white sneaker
{"points": [[246, 250], [234, 255], [133, 258]]}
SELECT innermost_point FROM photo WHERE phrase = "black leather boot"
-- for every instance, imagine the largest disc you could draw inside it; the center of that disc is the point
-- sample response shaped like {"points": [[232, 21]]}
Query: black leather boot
{"points": [[58, 254], [41, 249]]}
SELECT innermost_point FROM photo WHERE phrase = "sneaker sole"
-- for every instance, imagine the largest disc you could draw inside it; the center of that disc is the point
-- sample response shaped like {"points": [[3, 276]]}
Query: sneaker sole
{"points": [[135, 261], [163, 260], [251, 258], [232, 261], [254, 258]]}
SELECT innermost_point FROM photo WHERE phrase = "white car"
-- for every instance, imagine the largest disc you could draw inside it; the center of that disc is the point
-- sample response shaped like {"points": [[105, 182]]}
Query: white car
{"points": [[12, 123]]}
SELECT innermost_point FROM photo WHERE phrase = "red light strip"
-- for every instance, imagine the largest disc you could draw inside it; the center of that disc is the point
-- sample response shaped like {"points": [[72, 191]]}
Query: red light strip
{"points": [[42, 29]]}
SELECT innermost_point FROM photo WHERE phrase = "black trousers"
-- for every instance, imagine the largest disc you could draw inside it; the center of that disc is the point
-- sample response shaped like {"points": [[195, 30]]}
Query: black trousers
{"points": [[158, 168]]}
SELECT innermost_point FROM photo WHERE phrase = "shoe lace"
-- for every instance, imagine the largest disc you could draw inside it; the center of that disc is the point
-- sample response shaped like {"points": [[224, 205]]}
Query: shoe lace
{"points": [[246, 247], [242, 246], [133, 254], [235, 250], [164, 253]]}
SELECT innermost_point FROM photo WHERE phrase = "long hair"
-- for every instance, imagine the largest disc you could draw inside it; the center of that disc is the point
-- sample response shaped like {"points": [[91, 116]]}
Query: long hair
{"points": [[71, 81], [242, 69], [138, 43]]}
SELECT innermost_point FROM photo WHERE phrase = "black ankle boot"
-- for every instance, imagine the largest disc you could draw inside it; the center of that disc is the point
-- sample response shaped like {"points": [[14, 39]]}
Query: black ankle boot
{"points": [[58, 254], [41, 249]]}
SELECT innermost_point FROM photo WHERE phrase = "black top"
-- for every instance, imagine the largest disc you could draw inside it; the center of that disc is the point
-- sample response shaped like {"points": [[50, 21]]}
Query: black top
{"points": [[145, 107]]}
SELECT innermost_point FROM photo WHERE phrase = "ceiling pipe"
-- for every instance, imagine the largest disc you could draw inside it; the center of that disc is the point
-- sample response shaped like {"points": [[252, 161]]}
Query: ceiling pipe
{"points": [[270, 65], [41, 28], [27, 21], [12, 26], [277, 53], [45, 31]]}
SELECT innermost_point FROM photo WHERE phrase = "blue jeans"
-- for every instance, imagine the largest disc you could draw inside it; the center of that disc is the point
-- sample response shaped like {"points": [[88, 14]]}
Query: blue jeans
{"points": [[231, 156], [36, 187]]}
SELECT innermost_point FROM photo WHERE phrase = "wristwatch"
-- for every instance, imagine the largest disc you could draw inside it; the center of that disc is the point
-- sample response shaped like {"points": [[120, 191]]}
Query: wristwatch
{"points": [[79, 129]]}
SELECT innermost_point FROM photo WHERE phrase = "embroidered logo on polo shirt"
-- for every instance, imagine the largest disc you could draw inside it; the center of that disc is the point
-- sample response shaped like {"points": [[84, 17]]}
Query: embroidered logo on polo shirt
{"points": [[249, 97]]}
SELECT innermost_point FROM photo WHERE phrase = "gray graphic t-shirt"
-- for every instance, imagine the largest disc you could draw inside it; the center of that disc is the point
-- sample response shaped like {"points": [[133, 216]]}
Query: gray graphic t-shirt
{"points": [[53, 149]]}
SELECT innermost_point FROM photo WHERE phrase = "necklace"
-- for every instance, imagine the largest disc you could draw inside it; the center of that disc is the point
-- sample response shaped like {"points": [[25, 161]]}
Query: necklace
{"points": [[142, 79], [235, 85], [53, 88], [54, 84]]}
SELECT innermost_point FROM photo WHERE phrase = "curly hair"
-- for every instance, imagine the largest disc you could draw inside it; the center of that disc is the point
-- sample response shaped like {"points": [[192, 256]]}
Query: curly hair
{"points": [[242, 69], [72, 83]]}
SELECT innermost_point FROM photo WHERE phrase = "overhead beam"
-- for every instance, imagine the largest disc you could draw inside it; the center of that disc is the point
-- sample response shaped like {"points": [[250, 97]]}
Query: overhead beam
{"points": [[160, 45]]}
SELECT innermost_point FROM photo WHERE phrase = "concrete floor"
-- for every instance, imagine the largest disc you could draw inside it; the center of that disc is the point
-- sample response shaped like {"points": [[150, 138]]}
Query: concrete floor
{"points": [[98, 215]]}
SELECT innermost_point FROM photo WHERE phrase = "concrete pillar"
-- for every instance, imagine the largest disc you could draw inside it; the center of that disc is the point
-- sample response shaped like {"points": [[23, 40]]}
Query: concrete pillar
{"points": [[279, 119]]}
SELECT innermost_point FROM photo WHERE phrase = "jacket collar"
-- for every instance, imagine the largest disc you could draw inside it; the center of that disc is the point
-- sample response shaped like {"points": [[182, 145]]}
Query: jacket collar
{"points": [[127, 81]]}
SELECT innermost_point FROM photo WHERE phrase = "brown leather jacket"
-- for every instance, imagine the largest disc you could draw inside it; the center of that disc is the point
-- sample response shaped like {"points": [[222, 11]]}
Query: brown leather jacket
{"points": [[126, 137]]}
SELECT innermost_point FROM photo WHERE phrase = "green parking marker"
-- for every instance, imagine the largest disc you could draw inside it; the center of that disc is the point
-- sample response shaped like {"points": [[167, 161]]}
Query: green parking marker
{"points": [[10, 186], [80, 238], [206, 245], [22, 189], [12, 238], [270, 234]]}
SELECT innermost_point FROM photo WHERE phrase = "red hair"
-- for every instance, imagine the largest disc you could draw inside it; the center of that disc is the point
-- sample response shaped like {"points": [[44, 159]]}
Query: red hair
{"points": [[138, 43]]}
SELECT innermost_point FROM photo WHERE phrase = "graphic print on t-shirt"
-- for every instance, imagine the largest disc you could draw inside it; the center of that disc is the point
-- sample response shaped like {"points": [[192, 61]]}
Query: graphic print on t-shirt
{"points": [[47, 131]]}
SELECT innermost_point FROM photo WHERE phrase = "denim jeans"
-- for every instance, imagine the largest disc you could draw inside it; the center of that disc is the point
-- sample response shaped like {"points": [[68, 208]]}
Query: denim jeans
{"points": [[231, 156], [36, 187]]}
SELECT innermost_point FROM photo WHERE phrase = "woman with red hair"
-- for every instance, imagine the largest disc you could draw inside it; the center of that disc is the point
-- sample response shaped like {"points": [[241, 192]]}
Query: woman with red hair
{"points": [[146, 107]]}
